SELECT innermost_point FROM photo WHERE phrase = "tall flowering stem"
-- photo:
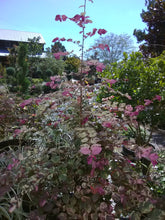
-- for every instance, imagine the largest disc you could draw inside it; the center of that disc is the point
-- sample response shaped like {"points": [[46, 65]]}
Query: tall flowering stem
{"points": [[82, 59]]}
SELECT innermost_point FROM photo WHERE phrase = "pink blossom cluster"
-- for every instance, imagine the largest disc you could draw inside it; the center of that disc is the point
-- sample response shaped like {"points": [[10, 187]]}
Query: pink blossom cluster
{"points": [[129, 109], [30, 101], [59, 54], [147, 153], [99, 66], [94, 150], [100, 46], [67, 92], [53, 84]]}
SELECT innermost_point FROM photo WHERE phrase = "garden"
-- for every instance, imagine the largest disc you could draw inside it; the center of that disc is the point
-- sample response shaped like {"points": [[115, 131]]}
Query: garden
{"points": [[81, 149]]}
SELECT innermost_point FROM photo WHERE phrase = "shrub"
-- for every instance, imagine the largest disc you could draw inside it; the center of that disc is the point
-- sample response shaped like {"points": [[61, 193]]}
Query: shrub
{"points": [[142, 80], [49, 73], [10, 71]]}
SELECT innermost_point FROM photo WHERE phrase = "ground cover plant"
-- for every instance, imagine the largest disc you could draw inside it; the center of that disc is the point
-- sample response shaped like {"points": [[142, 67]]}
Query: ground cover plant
{"points": [[63, 155]]}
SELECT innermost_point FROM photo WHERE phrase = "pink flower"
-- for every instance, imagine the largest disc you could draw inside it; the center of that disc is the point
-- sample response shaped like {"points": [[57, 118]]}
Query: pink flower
{"points": [[76, 18], [55, 39], [147, 102], [101, 46], [42, 202], [100, 190], [140, 108], [53, 78], [146, 153], [69, 40], [17, 132], [85, 150], [62, 39], [111, 81], [15, 163], [26, 102], [107, 124], [90, 160], [22, 121], [128, 108], [37, 101], [64, 17], [153, 158], [47, 84], [59, 54], [58, 18], [106, 45], [85, 120], [93, 32], [102, 31], [66, 93], [96, 149], [100, 67], [158, 97]]}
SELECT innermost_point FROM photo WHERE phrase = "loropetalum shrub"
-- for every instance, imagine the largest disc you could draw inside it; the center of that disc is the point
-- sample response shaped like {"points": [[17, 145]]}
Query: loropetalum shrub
{"points": [[68, 171], [69, 161]]}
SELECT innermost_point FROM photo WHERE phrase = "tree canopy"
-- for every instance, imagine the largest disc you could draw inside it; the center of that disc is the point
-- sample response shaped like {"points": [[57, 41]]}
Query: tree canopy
{"points": [[154, 34], [117, 45], [57, 47]]}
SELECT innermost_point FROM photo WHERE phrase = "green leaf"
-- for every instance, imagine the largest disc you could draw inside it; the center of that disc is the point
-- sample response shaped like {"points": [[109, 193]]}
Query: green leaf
{"points": [[147, 208], [4, 213], [63, 177], [135, 216]]}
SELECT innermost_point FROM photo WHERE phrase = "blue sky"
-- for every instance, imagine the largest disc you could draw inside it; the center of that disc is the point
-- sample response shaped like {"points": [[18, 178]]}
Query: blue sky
{"points": [[120, 16]]}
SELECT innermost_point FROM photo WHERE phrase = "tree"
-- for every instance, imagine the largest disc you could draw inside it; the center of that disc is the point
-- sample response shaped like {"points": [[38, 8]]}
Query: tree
{"points": [[154, 35], [22, 69], [57, 47], [117, 45], [17, 76], [34, 49]]}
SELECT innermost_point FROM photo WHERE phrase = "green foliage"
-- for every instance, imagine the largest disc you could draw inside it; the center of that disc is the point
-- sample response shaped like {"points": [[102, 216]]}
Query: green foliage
{"points": [[51, 66], [154, 34], [10, 71], [72, 65], [2, 74], [13, 53], [57, 47], [142, 80], [22, 70], [34, 46], [49, 73]]}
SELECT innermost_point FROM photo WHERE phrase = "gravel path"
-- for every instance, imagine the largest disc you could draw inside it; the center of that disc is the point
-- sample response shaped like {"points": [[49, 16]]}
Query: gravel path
{"points": [[158, 139]]}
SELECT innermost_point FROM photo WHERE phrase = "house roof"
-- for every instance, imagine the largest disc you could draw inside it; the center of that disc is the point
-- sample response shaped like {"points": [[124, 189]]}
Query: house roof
{"points": [[21, 36]]}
